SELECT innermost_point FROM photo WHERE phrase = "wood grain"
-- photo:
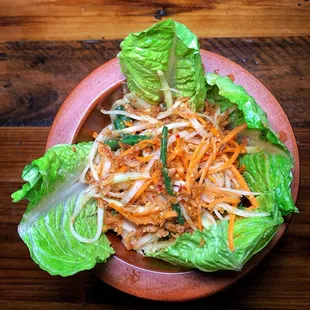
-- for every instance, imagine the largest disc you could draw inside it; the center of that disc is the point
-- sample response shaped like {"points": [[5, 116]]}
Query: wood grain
{"points": [[280, 282], [36, 77], [97, 19]]}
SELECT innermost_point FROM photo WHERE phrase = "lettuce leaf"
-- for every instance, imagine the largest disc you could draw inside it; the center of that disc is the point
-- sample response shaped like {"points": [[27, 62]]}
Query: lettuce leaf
{"points": [[270, 174], [170, 47], [208, 250], [223, 91], [52, 189], [53, 247], [60, 165]]}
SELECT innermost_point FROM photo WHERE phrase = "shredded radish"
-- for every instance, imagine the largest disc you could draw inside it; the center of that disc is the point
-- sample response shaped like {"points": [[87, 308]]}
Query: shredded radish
{"points": [[137, 102], [100, 215], [120, 177], [171, 126], [102, 135], [131, 129], [187, 218], [144, 118], [145, 239], [198, 127], [218, 214], [179, 183], [83, 174], [116, 104], [207, 219], [133, 190], [239, 212], [169, 112], [106, 167], [155, 246], [116, 195], [128, 227], [82, 200], [166, 89], [206, 198], [239, 192], [227, 181], [209, 119]]}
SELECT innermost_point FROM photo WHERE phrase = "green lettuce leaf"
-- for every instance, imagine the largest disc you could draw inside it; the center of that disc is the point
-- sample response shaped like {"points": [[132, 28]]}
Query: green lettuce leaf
{"points": [[270, 174], [170, 47], [53, 247], [60, 165], [223, 91], [52, 190], [208, 250]]}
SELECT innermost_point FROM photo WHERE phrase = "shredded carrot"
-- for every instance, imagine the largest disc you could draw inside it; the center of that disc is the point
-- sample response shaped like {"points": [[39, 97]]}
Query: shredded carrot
{"points": [[229, 150], [128, 124], [228, 163], [149, 212], [99, 167], [144, 159], [225, 199], [156, 176], [244, 185], [233, 143], [212, 179], [170, 214], [232, 150], [180, 169], [214, 131], [199, 221], [123, 169], [201, 120], [205, 169], [234, 132], [141, 190], [231, 232], [194, 162], [127, 152], [185, 160], [171, 157]]}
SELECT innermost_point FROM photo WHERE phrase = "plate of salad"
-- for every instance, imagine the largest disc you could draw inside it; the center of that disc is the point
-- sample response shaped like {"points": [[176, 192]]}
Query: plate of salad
{"points": [[162, 172]]}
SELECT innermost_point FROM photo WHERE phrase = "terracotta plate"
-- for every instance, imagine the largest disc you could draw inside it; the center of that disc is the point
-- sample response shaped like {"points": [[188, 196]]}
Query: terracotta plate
{"points": [[126, 270]]}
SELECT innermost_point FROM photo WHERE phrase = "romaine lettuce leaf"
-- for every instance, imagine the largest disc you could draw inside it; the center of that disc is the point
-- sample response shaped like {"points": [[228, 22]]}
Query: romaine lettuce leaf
{"points": [[53, 247], [170, 47], [52, 189], [208, 250], [270, 174], [223, 91], [60, 165]]}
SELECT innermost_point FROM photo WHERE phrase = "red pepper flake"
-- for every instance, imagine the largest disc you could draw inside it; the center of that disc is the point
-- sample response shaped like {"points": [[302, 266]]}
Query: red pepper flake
{"points": [[231, 76], [177, 136]]}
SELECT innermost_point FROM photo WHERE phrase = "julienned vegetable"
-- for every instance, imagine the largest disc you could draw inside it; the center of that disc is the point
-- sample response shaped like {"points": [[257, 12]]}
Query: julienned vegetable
{"points": [[189, 170], [167, 181]]}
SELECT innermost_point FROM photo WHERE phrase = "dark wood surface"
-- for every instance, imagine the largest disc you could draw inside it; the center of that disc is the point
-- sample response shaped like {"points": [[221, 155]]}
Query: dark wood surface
{"points": [[35, 78], [114, 19]]}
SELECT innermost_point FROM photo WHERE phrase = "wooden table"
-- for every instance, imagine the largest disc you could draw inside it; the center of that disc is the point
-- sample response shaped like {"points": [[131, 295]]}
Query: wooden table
{"points": [[36, 76]]}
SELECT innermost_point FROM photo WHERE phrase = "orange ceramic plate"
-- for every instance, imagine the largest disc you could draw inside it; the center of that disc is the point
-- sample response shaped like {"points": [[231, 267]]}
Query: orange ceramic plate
{"points": [[127, 270]]}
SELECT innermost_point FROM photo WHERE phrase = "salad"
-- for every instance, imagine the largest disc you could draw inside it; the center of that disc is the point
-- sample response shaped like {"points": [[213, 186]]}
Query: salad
{"points": [[188, 171]]}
